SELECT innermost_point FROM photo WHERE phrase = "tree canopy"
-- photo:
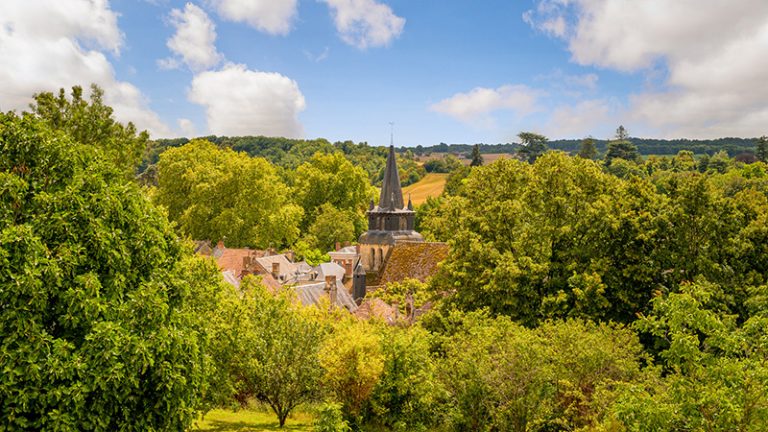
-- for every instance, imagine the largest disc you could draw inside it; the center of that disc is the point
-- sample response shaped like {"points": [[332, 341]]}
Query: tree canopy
{"points": [[100, 305]]}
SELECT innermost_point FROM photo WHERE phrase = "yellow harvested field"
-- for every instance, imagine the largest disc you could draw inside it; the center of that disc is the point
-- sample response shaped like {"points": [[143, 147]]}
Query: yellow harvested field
{"points": [[431, 185]]}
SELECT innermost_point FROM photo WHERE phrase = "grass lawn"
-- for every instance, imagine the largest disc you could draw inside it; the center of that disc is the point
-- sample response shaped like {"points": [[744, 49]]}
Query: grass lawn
{"points": [[249, 420], [431, 185]]}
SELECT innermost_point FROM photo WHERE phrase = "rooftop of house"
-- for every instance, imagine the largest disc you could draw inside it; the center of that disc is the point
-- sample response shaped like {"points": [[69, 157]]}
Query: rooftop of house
{"points": [[310, 295], [417, 260], [327, 269]]}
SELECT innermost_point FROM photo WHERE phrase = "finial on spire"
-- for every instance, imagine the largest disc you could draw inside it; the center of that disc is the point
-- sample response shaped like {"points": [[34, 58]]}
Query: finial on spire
{"points": [[392, 133], [410, 204]]}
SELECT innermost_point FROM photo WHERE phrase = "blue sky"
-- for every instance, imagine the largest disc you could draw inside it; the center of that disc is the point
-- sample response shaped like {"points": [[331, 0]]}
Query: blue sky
{"points": [[442, 71]]}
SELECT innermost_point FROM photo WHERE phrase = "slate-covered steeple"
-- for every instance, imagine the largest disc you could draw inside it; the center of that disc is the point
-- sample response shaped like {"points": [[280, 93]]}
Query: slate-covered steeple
{"points": [[390, 187]]}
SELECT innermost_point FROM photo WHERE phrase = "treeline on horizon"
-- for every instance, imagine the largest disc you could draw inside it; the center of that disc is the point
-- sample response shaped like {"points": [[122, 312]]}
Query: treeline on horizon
{"points": [[290, 153]]}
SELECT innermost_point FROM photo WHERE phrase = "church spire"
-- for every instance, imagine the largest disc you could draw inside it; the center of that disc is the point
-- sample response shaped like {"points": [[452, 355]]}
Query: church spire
{"points": [[391, 192]]}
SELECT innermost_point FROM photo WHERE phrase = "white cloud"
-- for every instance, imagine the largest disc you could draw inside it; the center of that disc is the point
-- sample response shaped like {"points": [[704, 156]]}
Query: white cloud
{"points": [[592, 116], [194, 40], [187, 127], [713, 53], [365, 23], [239, 101], [49, 44], [476, 105], [269, 16]]}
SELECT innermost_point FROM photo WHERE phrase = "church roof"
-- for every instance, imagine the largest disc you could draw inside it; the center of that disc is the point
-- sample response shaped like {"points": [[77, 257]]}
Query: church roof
{"points": [[390, 187], [417, 260]]}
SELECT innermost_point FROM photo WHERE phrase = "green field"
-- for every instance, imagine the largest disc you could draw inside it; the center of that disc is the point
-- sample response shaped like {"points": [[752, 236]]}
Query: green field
{"points": [[431, 185], [248, 420]]}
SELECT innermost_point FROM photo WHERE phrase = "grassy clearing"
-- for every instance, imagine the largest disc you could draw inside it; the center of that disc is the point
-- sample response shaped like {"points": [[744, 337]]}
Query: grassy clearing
{"points": [[250, 420], [431, 185]]}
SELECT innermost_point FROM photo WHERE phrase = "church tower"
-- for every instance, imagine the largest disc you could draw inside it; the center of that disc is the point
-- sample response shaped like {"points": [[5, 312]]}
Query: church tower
{"points": [[389, 223]]}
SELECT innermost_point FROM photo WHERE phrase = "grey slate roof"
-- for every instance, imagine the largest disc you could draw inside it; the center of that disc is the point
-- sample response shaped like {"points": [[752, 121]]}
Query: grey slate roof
{"points": [[311, 294], [330, 268], [390, 187]]}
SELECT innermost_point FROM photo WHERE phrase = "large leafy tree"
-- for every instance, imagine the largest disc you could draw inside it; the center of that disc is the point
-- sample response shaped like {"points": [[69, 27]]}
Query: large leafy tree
{"points": [[101, 310], [218, 194], [331, 179], [91, 123]]}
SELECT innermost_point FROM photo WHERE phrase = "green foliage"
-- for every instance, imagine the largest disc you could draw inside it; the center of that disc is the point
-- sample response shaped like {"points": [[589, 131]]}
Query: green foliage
{"points": [[406, 396], [561, 238], [398, 293], [455, 181], [331, 419], [588, 150], [331, 179], [533, 146], [717, 378], [304, 250], [477, 158], [352, 361], [500, 376], [269, 349], [102, 312], [762, 149], [332, 225], [447, 164], [215, 194], [92, 124]]}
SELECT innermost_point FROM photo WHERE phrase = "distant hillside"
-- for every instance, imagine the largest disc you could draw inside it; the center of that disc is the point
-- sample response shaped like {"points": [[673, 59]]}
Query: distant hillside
{"points": [[431, 185], [646, 146]]}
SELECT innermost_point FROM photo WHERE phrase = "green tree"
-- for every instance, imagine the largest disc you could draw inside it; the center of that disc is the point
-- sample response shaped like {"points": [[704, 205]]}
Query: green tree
{"points": [[477, 158], [716, 376], [762, 149], [533, 145], [92, 124], [332, 225], [621, 148], [502, 376], [102, 310], [272, 349], [588, 150], [353, 362], [216, 194], [407, 394], [331, 179]]}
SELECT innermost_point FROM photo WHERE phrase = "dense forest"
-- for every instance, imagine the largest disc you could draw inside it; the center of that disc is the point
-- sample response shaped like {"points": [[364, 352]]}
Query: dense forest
{"points": [[597, 291]]}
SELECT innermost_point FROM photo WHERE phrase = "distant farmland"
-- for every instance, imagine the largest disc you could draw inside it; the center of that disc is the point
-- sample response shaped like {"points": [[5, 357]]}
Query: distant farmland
{"points": [[431, 185], [487, 157]]}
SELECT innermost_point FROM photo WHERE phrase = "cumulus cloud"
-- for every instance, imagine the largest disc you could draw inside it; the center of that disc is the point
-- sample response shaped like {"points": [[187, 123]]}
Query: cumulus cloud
{"points": [[269, 16], [365, 23], [194, 40], [49, 44], [713, 73], [476, 105], [239, 101], [592, 116]]}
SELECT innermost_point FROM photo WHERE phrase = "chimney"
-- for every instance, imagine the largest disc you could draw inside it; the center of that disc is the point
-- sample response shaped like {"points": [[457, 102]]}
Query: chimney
{"points": [[338, 246], [276, 270], [357, 249], [220, 244], [330, 287], [290, 255]]}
